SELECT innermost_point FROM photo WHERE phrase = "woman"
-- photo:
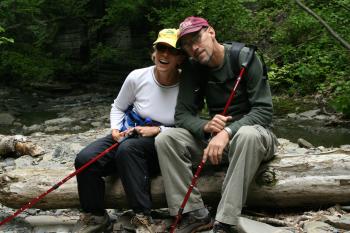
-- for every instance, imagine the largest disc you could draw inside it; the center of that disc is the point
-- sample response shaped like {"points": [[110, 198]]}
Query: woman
{"points": [[148, 93]]}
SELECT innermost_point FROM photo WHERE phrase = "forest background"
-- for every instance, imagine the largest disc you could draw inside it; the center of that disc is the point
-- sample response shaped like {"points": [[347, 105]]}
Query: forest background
{"points": [[303, 57]]}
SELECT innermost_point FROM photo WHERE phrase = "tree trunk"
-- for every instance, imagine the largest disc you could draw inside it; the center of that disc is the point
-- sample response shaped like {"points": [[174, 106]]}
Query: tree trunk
{"points": [[290, 180]]}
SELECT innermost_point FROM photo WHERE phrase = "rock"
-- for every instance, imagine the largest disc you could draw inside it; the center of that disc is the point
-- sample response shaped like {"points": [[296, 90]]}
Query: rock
{"points": [[345, 147], [33, 128], [303, 143], [292, 115], [51, 129], [346, 208], [47, 223], [59, 121], [310, 114], [246, 225], [6, 118], [9, 162], [342, 222], [321, 117], [96, 124], [23, 162], [318, 227]]}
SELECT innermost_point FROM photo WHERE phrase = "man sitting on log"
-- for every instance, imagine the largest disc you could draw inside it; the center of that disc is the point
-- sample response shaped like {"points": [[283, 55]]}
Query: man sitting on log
{"points": [[243, 136]]}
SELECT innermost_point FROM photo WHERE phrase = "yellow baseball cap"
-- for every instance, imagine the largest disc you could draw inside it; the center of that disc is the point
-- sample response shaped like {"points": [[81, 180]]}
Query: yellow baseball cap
{"points": [[168, 35]]}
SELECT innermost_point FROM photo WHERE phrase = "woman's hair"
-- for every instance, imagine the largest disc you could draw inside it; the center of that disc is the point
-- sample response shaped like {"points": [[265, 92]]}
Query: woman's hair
{"points": [[153, 55]]}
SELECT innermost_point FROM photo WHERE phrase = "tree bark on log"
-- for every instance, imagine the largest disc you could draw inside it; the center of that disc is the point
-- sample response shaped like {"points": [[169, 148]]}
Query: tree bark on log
{"points": [[289, 180], [18, 145]]}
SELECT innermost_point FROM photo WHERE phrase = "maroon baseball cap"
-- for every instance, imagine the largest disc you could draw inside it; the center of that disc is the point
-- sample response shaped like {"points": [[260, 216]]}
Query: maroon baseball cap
{"points": [[192, 24]]}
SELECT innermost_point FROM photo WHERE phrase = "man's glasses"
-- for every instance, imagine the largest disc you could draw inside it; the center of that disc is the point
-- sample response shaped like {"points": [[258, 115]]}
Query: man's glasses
{"points": [[163, 48], [197, 38]]}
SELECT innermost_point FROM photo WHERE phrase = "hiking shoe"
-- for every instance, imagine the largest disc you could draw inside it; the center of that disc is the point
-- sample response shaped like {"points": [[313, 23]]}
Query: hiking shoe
{"points": [[195, 221], [89, 223], [143, 223], [223, 228]]}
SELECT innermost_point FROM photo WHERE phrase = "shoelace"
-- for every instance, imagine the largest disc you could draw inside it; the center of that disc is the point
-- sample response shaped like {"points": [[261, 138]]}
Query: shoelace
{"points": [[142, 221]]}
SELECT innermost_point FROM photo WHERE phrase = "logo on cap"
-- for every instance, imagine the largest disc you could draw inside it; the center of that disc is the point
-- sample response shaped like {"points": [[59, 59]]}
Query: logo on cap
{"points": [[192, 24]]}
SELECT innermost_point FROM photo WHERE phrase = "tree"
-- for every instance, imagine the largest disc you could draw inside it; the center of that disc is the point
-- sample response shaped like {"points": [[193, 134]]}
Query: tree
{"points": [[325, 24]]}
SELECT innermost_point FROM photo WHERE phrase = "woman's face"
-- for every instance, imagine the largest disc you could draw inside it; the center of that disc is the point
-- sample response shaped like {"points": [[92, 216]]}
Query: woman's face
{"points": [[167, 57]]}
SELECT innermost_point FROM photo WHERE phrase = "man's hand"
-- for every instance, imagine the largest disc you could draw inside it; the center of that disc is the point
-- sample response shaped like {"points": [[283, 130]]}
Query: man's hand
{"points": [[216, 124], [147, 131], [216, 147]]}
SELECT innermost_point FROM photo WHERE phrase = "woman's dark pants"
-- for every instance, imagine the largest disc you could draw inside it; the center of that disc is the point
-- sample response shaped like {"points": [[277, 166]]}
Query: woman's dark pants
{"points": [[134, 161]]}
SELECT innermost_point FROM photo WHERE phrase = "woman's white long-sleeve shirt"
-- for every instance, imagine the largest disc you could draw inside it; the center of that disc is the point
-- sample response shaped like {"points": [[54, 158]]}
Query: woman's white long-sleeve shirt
{"points": [[147, 95]]}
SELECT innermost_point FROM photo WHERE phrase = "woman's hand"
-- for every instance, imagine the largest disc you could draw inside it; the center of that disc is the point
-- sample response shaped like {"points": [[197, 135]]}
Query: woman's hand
{"points": [[117, 136], [147, 131]]}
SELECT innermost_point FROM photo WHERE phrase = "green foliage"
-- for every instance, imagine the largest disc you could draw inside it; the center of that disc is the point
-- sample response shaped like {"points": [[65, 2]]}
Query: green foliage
{"points": [[25, 68], [302, 56], [228, 17], [3, 39], [337, 89], [124, 58], [340, 98], [300, 53]]}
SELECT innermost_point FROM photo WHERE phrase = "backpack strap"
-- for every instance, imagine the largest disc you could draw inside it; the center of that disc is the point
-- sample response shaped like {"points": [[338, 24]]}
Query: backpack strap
{"points": [[236, 48]]}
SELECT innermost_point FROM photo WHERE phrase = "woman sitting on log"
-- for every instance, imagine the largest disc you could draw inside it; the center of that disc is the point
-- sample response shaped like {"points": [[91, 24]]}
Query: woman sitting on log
{"points": [[147, 99]]}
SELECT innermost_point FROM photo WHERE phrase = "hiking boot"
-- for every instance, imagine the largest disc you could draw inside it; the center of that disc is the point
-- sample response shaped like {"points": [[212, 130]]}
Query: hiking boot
{"points": [[223, 228], [89, 223], [144, 224], [195, 221]]}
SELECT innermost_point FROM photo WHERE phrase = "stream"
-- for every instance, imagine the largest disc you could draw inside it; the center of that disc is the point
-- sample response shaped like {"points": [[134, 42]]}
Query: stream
{"points": [[26, 113]]}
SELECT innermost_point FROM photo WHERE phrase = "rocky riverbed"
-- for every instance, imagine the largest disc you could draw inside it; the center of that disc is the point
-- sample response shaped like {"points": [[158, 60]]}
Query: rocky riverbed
{"points": [[53, 118], [60, 150]]}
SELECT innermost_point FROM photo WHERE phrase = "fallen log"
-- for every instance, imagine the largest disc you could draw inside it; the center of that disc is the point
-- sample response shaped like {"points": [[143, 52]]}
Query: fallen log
{"points": [[299, 179], [18, 145]]}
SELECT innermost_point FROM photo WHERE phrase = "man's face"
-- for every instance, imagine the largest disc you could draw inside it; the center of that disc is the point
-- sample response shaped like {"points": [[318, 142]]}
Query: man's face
{"points": [[198, 45]]}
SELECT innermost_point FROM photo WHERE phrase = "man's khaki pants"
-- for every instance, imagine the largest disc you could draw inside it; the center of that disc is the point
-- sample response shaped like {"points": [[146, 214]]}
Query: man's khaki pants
{"points": [[177, 148]]}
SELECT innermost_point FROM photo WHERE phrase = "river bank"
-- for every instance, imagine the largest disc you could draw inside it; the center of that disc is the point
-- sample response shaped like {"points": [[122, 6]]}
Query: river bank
{"points": [[80, 110], [38, 114]]}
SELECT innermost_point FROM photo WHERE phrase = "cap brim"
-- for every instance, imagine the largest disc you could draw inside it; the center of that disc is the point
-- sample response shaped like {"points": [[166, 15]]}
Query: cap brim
{"points": [[171, 43], [190, 30]]}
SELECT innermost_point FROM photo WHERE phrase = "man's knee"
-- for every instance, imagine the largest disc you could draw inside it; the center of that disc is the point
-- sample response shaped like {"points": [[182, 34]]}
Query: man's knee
{"points": [[247, 133], [166, 136]]}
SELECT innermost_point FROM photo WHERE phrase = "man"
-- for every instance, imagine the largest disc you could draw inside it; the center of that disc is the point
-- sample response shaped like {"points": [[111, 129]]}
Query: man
{"points": [[243, 136]]}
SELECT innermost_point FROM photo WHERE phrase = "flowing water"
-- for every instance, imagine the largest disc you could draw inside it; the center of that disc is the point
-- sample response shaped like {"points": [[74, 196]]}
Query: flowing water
{"points": [[313, 131], [29, 109]]}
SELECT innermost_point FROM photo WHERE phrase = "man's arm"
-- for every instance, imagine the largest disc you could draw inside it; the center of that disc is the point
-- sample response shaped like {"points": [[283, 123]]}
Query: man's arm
{"points": [[190, 102], [259, 96]]}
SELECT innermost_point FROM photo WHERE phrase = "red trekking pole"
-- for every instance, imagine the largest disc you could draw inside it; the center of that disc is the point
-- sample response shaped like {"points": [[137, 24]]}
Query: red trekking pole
{"points": [[57, 185], [244, 67]]}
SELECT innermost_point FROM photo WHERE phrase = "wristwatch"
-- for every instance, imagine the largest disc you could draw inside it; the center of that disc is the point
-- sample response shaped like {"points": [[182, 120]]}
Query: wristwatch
{"points": [[229, 132]]}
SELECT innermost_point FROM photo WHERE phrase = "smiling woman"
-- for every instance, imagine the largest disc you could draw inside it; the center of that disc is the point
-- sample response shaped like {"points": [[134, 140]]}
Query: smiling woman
{"points": [[145, 107], [167, 58]]}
